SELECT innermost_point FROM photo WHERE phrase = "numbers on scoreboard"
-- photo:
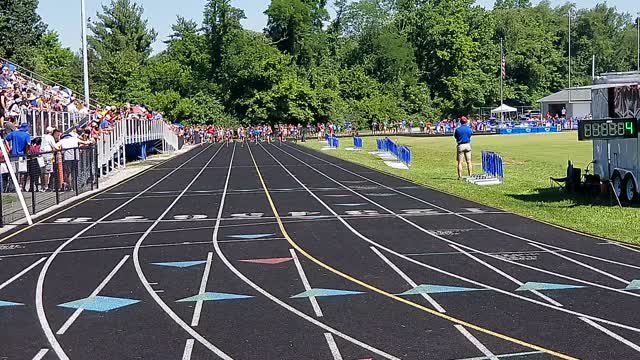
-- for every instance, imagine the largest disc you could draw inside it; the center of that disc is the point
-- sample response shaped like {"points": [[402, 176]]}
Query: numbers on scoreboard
{"points": [[607, 129]]}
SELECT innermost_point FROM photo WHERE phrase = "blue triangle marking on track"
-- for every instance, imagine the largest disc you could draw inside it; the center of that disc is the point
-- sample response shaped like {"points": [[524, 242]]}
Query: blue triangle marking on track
{"points": [[214, 296], [351, 205], [325, 293], [547, 286], [9, 303], [181, 264], [635, 285], [251, 236], [99, 303], [437, 289]]}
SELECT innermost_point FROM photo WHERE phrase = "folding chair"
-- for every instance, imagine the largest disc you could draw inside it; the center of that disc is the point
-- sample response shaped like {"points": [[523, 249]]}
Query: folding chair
{"points": [[565, 182]]}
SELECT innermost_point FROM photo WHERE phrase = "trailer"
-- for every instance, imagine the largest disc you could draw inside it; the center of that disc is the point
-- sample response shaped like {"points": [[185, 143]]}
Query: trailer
{"points": [[615, 110]]}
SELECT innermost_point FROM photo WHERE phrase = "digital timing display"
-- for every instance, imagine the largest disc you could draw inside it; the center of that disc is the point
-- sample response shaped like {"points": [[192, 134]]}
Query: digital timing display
{"points": [[608, 129]]}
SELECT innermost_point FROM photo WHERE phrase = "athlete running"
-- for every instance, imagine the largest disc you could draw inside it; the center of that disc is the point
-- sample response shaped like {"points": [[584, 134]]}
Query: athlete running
{"points": [[227, 136], [242, 135]]}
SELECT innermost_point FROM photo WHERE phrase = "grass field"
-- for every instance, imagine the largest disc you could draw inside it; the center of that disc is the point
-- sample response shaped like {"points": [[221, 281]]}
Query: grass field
{"points": [[529, 162]]}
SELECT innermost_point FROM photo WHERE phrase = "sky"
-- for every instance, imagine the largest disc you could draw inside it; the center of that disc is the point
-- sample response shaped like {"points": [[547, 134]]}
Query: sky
{"points": [[65, 20]]}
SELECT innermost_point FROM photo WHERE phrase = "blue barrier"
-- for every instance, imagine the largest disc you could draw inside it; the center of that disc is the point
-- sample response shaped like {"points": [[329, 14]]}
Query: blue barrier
{"points": [[358, 143], [529, 130], [333, 141], [402, 153], [493, 164]]}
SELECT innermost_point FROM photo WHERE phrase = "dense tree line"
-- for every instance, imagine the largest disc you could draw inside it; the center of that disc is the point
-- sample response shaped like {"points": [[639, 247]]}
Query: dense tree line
{"points": [[382, 60]]}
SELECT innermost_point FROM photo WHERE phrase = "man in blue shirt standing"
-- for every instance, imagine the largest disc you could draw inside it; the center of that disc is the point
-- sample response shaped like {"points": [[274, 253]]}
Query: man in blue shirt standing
{"points": [[463, 135], [18, 140]]}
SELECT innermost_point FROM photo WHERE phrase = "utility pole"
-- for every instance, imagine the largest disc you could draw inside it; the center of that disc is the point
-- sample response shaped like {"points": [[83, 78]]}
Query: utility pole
{"points": [[569, 58], [85, 59], [638, 26]]}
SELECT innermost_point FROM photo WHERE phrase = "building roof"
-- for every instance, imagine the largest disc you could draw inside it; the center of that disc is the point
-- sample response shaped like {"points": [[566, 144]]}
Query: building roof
{"points": [[578, 94]]}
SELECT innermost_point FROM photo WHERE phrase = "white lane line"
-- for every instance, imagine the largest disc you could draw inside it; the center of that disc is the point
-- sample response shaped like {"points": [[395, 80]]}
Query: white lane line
{"points": [[188, 349], [505, 275], [203, 287], [438, 270], [461, 215], [112, 248], [480, 346], [274, 299], [21, 273], [335, 352], [428, 232], [40, 355], [483, 349], [95, 293], [612, 334], [624, 247], [42, 316], [305, 283], [145, 282], [406, 278], [602, 272]]}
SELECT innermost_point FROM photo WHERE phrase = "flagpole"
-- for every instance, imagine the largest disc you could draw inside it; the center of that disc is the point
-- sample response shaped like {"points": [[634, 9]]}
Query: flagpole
{"points": [[501, 80], [85, 60]]}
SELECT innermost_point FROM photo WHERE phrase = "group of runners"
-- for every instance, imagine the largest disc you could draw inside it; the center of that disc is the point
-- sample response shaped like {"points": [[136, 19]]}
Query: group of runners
{"points": [[254, 134]]}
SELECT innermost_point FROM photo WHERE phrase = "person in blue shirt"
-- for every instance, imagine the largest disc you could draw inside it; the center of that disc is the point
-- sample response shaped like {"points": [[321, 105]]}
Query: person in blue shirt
{"points": [[463, 135], [18, 141]]}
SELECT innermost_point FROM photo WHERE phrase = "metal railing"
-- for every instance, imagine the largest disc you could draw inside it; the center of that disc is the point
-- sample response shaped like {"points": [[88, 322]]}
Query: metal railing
{"points": [[39, 120], [46, 180], [111, 145]]}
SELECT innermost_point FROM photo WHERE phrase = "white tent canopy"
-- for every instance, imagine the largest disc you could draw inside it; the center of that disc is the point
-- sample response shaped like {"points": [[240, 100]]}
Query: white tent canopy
{"points": [[502, 109]]}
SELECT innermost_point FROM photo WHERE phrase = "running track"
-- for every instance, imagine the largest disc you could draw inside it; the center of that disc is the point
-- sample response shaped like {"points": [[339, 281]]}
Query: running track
{"points": [[280, 252]]}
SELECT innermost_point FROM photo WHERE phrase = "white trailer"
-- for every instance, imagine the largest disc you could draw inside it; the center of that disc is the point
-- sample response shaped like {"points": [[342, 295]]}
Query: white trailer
{"points": [[615, 110]]}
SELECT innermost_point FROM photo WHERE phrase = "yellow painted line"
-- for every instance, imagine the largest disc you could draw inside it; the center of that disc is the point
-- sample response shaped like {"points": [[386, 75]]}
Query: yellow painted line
{"points": [[390, 295], [87, 199]]}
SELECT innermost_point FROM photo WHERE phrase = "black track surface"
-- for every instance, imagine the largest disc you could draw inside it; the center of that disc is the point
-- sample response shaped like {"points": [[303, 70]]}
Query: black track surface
{"points": [[380, 230]]}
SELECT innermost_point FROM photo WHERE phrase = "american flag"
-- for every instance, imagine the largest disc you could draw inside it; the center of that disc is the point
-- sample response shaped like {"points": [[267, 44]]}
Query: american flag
{"points": [[503, 64]]}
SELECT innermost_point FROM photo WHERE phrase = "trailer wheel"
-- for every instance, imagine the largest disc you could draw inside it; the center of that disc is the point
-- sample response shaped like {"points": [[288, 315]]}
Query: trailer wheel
{"points": [[616, 181], [631, 193]]}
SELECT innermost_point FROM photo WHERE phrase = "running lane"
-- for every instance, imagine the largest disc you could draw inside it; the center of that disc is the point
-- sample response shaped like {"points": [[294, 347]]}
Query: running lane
{"points": [[444, 235]]}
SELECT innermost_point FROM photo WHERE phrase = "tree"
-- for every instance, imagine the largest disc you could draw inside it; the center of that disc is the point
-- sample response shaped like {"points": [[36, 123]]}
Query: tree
{"points": [[292, 22], [56, 63], [119, 27], [221, 22], [120, 46], [181, 29], [21, 29]]}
